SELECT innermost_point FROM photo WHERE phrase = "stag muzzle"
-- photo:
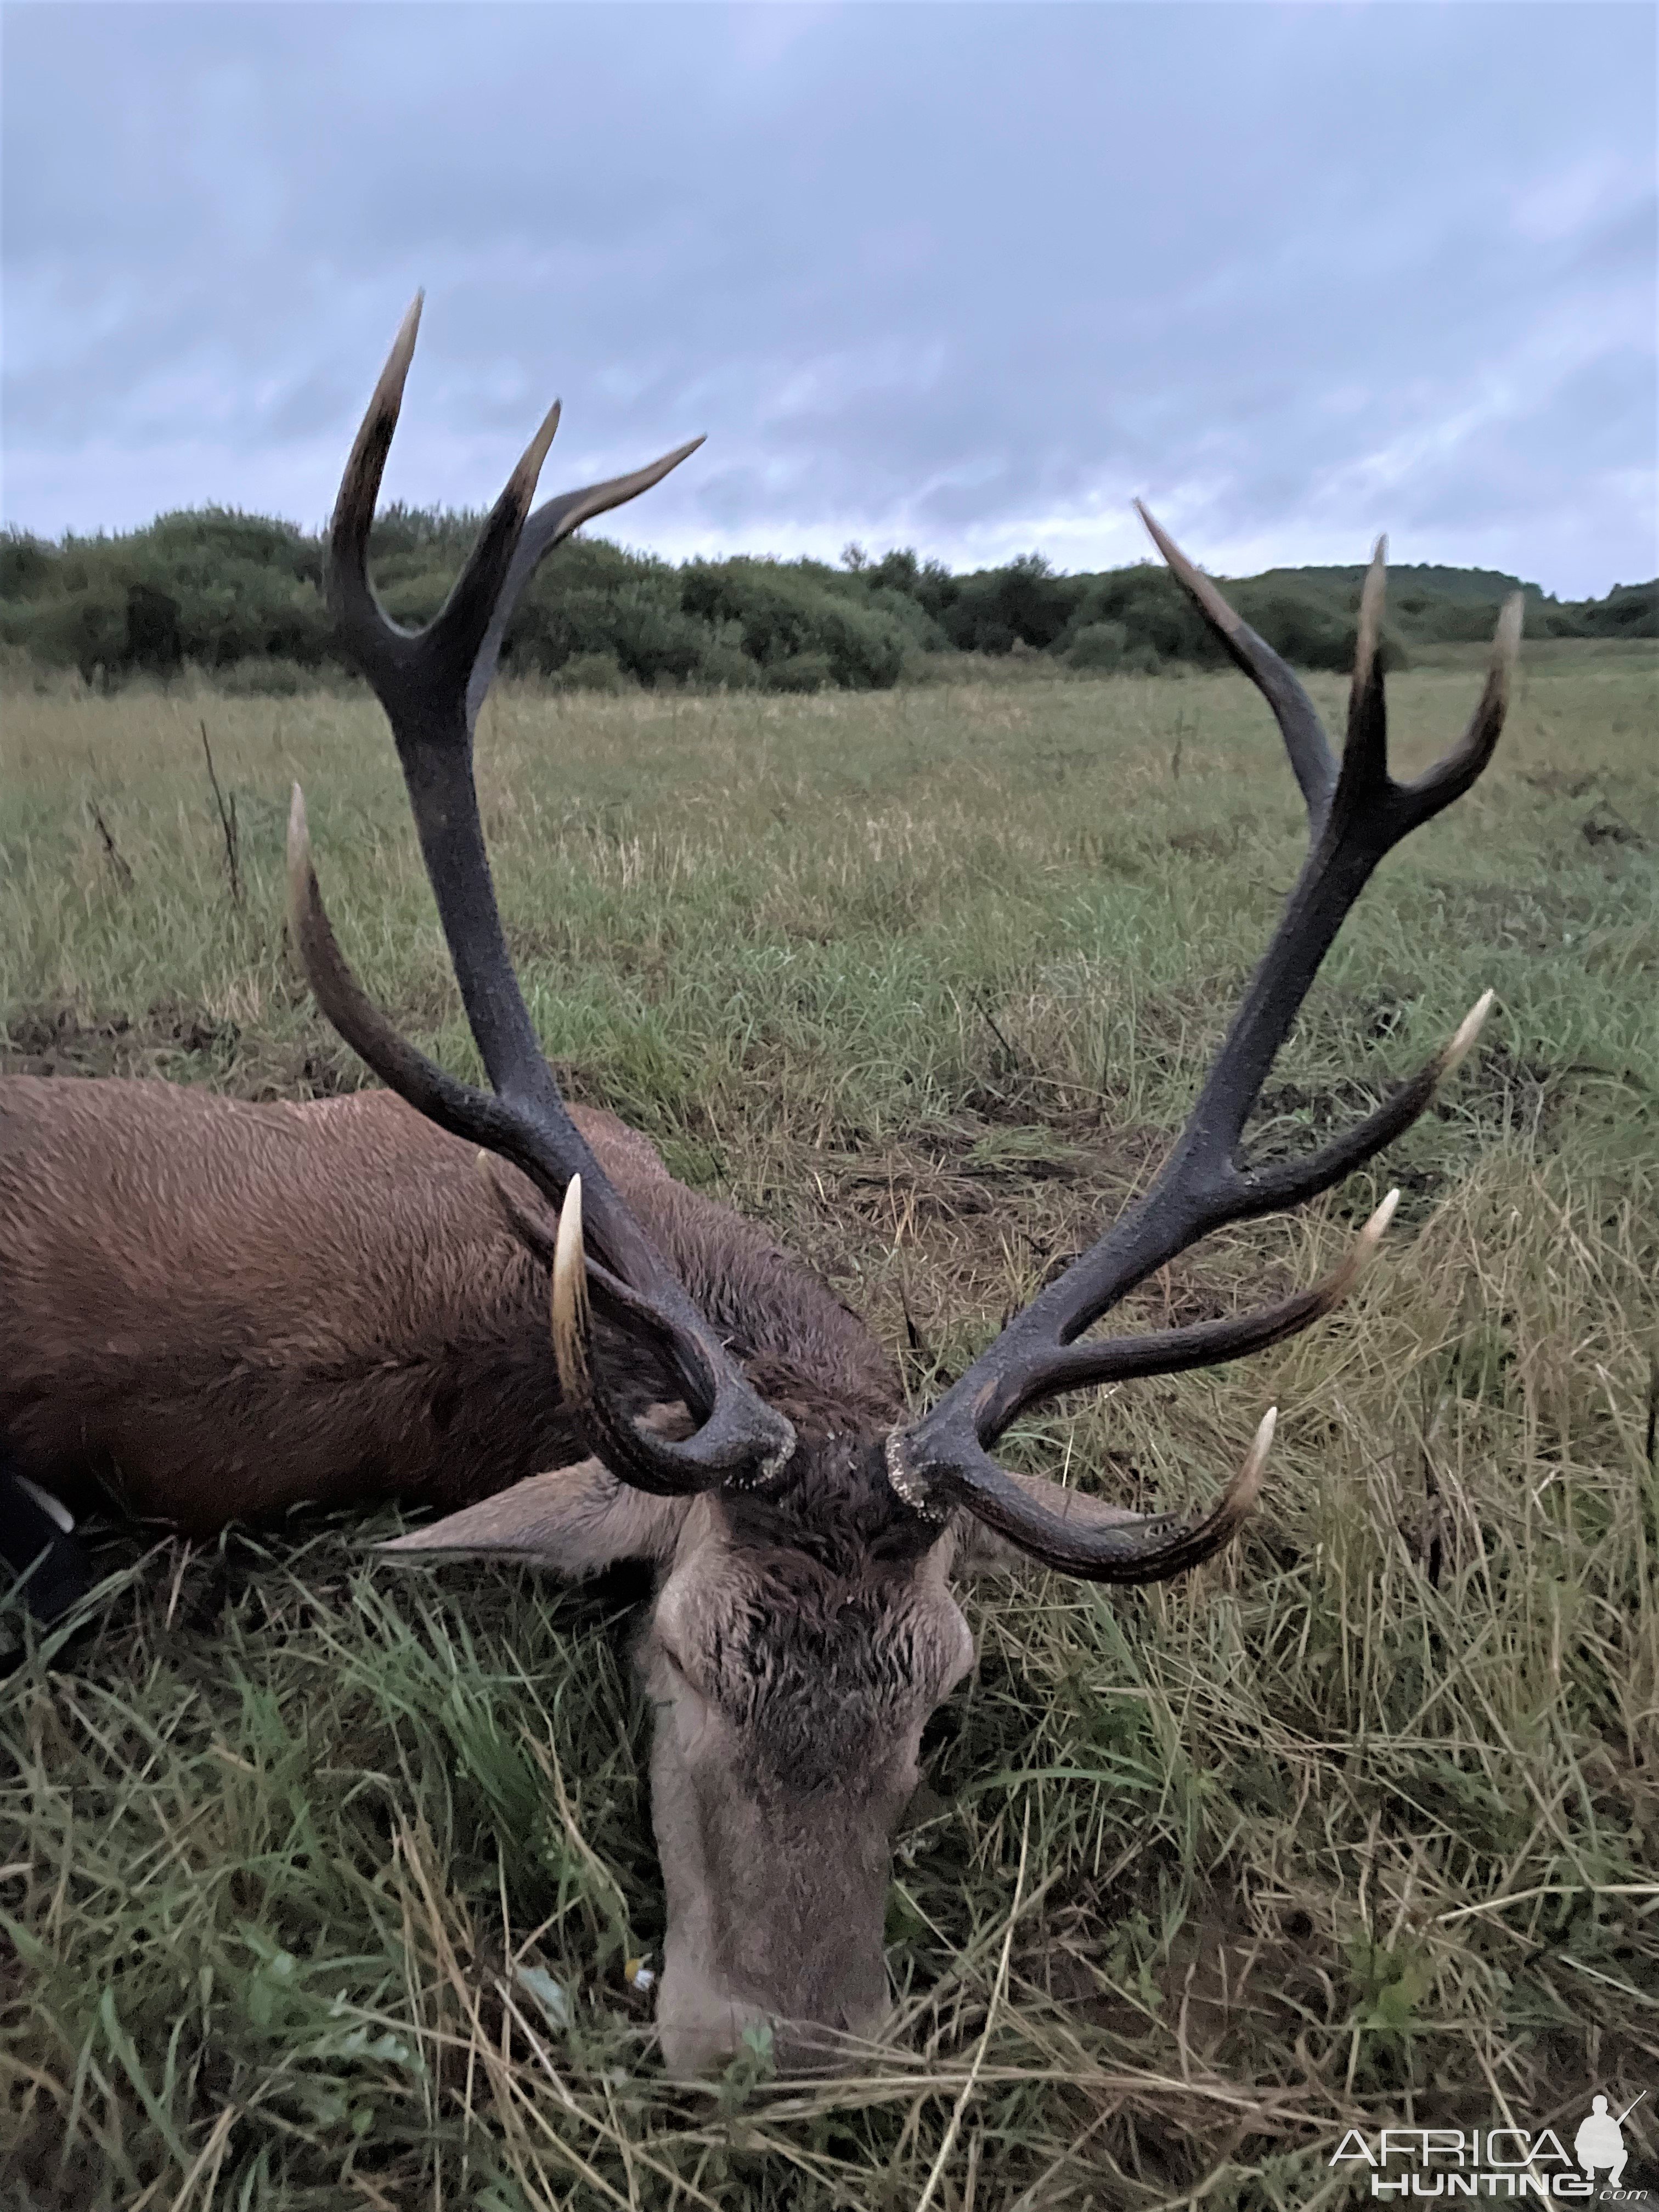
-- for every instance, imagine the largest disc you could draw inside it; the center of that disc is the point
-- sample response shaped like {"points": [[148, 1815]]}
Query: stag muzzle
{"points": [[704, 2019], [775, 1907]]}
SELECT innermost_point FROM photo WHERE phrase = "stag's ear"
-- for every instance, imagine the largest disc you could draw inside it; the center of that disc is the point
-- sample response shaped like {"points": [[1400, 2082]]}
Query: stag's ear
{"points": [[981, 1551], [574, 1522]]}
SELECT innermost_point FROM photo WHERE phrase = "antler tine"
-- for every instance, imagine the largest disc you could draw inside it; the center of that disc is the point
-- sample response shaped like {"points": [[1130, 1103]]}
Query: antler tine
{"points": [[1141, 1547], [351, 600], [575, 1286], [567, 1288], [388, 656], [1357, 814], [1289, 1182], [1365, 748], [474, 619], [1451, 775], [549, 526], [1090, 1362], [1297, 717], [454, 1105], [423, 679]]}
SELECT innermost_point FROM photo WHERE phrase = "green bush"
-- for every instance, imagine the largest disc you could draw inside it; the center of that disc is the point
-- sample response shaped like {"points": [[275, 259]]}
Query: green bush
{"points": [[799, 672], [593, 672], [1628, 610], [1098, 647], [27, 565], [795, 612], [1154, 610], [153, 642], [1024, 604], [85, 628]]}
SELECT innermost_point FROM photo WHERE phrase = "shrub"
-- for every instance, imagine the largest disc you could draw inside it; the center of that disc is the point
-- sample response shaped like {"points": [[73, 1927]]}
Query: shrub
{"points": [[593, 672], [799, 672], [1311, 632], [1628, 610], [153, 638], [201, 545], [27, 565], [784, 613], [85, 629], [655, 639], [1024, 603], [724, 665], [1099, 646]]}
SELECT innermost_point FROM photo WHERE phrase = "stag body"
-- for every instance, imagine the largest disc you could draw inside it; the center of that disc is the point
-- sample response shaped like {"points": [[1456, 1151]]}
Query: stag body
{"points": [[366, 1318], [212, 1309], [217, 1311]]}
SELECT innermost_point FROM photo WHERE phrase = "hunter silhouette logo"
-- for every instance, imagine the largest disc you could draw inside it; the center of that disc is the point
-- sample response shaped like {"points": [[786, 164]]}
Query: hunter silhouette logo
{"points": [[1599, 2141], [1502, 2161]]}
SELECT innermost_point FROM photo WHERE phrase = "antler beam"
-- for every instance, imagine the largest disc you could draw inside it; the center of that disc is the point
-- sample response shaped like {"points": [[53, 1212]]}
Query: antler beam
{"points": [[1356, 812], [431, 683]]}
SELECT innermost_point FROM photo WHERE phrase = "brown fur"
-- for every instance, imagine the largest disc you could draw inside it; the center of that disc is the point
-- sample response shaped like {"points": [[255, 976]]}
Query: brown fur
{"points": [[212, 1310]]}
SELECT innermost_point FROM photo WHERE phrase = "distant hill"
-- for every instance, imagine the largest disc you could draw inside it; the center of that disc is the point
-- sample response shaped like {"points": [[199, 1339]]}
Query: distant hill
{"points": [[1491, 586], [238, 594], [1419, 591]]}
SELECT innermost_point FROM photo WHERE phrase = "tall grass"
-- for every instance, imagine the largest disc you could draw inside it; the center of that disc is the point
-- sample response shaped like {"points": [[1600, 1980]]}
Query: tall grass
{"points": [[318, 1883]]}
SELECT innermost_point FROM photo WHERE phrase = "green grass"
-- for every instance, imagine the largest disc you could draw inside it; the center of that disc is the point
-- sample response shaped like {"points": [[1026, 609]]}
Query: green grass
{"points": [[1358, 1825]]}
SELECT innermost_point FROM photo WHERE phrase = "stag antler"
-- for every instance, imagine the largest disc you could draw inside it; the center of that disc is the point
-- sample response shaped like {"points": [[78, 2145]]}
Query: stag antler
{"points": [[431, 683], [1356, 812]]}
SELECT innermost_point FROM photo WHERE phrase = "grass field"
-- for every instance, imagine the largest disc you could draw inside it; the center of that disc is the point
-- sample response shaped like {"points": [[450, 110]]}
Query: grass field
{"points": [[316, 1881]]}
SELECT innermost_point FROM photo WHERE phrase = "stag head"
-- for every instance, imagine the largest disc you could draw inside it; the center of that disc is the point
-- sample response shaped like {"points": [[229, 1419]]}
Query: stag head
{"points": [[805, 1530]]}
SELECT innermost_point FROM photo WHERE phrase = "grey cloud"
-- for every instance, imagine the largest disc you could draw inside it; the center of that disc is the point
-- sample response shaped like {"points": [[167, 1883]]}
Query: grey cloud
{"points": [[947, 275]]}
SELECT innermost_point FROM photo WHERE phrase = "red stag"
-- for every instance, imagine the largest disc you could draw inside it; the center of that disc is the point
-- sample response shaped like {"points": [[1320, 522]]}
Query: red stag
{"points": [[211, 1311]]}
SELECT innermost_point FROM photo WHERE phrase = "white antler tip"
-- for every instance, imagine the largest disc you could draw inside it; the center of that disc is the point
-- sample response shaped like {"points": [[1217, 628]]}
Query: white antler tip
{"points": [[389, 392], [1380, 1220], [569, 1298], [1371, 595], [1246, 1485], [1468, 1029], [544, 438], [570, 1218]]}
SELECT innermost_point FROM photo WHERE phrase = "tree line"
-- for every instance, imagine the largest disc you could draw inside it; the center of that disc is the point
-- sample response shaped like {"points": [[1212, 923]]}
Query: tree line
{"points": [[239, 595]]}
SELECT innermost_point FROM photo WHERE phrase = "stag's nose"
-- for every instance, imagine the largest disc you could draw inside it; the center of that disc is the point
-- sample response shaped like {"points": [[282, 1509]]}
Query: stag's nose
{"points": [[702, 2037], [702, 2028]]}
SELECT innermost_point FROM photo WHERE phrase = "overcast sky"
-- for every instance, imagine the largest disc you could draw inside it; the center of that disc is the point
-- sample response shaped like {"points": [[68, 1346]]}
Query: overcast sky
{"points": [[962, 277]]}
